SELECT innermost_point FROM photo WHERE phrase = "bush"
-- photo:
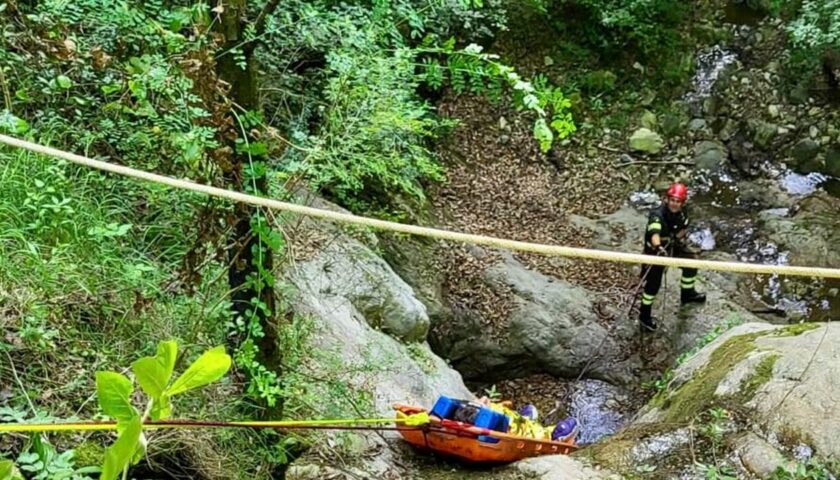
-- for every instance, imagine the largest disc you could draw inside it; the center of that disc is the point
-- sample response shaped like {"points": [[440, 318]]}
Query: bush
{"points": [[815, 36], [649, 26]]}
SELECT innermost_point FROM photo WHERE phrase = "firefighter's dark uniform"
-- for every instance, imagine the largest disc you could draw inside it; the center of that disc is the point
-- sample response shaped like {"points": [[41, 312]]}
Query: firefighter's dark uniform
{"points": [[667, 224]]}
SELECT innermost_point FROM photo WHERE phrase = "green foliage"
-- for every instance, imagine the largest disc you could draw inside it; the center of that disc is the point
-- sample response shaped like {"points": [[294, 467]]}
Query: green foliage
{"points": [[817, 27], [714, 472], [814, 30], [153, 373], [713, 428], [493, 394], [363, 130], [371, 142], [10, 124], [41, 461], [119, 455], [482, 74], [808, 470], [36, 334], [108, 75], [649, 25], [114, 392], [462, 18], [661, 383], [8, 471], [208, 368]]}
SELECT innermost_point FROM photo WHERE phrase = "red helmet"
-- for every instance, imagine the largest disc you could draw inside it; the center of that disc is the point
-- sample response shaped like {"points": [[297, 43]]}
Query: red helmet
{"points": [[678, 191]]}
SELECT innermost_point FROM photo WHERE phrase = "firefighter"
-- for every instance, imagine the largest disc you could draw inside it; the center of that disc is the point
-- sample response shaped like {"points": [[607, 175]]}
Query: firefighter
{"points": [[665, 235]]}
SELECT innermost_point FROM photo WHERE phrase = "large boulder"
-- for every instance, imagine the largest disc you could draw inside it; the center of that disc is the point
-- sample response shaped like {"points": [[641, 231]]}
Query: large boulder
{"points": [[361, 313], [709, 155], [765, 194], [414, 259], [346, 272], [805, 156], [832, 162], [552, 329], [768, 390], [646, 141]]}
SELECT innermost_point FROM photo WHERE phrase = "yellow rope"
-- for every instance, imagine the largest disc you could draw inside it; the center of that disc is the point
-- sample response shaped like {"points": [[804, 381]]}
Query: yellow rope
{"points": [[55, 427], [415, 420], [439, 234]]}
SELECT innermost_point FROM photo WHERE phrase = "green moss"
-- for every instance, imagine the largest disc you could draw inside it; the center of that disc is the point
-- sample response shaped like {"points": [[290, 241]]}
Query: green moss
{"points": [[698, 393], [88, 453], [796, 329], [422, 357], [762, 374]]}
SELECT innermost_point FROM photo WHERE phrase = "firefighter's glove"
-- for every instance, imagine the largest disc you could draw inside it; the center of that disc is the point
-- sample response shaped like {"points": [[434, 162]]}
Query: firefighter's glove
{"points": [[687, 247]]}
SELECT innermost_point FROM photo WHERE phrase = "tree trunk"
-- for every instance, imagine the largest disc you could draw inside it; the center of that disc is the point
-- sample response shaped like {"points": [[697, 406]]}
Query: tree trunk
{"points": [[249, 256]]}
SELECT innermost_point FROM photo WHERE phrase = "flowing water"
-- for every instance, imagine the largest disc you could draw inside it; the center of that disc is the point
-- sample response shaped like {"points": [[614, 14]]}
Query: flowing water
{"points": [[711, 64], [724, 221], [600, 408]]}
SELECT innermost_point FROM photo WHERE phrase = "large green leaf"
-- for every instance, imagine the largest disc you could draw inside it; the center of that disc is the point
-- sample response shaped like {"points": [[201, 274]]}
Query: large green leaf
{"points": [[543, 134], [118, 455], [114, 392], [153, 373], [167, 352], [208, 368], [150, 375]]}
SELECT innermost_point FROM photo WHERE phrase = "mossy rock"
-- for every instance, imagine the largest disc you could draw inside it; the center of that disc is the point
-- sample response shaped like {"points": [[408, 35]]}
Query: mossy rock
{"points": [[698, 394]]}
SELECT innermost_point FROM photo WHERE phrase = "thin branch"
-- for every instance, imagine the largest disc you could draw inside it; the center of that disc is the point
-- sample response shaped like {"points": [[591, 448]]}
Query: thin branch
{"points": [[20, 384], [609, 149], [267, 10], [652, 162]]}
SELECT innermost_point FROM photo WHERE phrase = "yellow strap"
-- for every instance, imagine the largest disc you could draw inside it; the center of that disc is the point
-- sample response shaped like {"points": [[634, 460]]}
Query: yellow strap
{"points": [[654, 226], [416, 419], [556, 250]]}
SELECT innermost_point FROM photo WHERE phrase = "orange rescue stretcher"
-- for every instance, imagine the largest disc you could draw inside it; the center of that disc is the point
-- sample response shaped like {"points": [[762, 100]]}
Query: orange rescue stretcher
{"points": [[473, 443]]}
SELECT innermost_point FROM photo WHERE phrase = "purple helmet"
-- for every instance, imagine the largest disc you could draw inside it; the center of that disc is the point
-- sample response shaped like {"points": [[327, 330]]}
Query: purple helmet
{"points": [[564, 428], [529, 411]]}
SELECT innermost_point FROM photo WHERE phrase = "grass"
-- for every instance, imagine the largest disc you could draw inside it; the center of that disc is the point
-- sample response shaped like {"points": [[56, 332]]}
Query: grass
{"points": [[89, 280]]}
